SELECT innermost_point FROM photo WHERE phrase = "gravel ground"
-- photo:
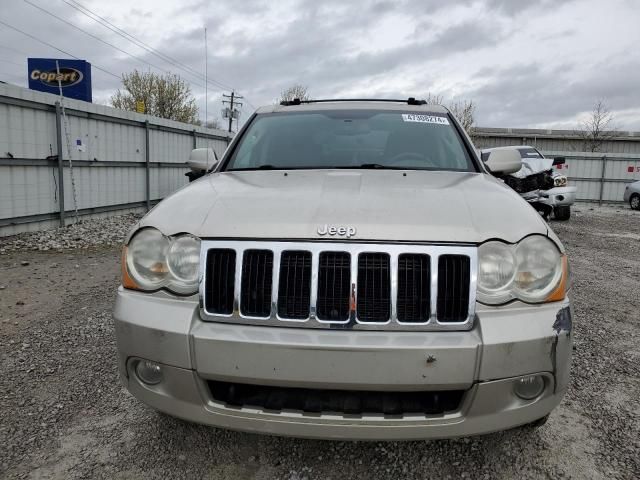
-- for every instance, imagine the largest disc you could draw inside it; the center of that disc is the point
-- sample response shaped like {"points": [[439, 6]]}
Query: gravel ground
{"points": [[63, 413], [102, 232]]}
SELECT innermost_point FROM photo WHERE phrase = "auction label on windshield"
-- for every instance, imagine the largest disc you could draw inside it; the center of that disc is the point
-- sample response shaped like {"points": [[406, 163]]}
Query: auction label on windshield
{"points": [[412, 117]]}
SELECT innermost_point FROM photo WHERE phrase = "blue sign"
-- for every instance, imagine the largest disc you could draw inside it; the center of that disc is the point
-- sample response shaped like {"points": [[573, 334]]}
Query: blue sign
{"points": [[74, 76]]}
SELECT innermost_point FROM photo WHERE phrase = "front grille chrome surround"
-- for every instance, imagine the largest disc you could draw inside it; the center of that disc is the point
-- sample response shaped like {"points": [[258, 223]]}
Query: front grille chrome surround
{"points": [[393, 250]]}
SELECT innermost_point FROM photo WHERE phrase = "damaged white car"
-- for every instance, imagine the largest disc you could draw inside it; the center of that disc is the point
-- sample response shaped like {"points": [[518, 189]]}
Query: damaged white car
{"points": [[539, 183]]}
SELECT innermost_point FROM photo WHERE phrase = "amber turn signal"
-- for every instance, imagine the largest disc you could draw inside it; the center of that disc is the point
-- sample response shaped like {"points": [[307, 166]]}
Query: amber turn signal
{"points": [[127, 281], [561, 290]]}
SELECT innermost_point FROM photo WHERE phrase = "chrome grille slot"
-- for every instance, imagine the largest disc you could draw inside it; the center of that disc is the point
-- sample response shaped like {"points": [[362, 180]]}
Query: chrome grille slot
{"points": [[348, 285], [257, 273], [453, 288], [374, 287], [334, 281], [294, 288], [221, 272], [414, 288]]}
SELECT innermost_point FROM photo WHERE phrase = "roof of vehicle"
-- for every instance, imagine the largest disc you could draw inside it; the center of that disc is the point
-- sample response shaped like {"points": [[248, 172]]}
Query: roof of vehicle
{"points": [[510, 147], [354, 105]]}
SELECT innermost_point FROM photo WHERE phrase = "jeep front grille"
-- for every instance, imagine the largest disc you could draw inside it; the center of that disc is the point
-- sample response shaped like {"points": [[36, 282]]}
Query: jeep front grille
{"points": [[221, 272], [294, 290], [414, 287], [334, 283], [339, 285], [453, 288], [255, 290], [374, 287]]}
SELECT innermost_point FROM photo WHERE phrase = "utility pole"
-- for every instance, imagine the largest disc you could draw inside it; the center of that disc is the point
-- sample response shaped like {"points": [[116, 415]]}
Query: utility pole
{"points": [[231, 112]]}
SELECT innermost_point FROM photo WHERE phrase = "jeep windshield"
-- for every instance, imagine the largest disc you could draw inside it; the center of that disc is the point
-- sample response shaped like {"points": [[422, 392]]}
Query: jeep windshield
{"points": [[357, 139]]}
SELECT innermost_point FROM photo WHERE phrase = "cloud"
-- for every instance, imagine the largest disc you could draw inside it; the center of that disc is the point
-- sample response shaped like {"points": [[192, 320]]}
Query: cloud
{"points": [[524, 63], [516, 7]]}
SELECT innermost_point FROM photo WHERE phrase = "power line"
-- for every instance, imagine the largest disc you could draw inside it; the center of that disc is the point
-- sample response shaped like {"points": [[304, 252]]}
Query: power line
{"points": [[123, 33], [136, 41], [58, 49], [100, 39]]}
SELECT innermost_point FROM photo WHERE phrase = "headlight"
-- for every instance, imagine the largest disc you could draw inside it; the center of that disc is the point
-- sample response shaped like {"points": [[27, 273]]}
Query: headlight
{"points": [[183, 261], [496, 270], [560, 180], [152, 261], [533, 271]]}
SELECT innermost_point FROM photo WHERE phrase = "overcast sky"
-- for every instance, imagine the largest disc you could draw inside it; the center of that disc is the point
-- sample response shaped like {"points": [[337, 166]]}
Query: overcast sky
{"points": [[525, 63]]}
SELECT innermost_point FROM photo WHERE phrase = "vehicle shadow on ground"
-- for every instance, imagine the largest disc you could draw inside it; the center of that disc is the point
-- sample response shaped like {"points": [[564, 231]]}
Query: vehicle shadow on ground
{"points": [[491, 455]]}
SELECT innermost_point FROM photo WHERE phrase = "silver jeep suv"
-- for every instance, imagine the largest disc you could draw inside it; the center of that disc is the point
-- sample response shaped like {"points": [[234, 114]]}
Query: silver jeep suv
{"points": [[348, 270]]}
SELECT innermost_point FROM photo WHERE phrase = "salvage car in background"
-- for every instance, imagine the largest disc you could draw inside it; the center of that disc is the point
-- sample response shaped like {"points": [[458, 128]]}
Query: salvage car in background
{"points": [[538, 183], [632, 195]]}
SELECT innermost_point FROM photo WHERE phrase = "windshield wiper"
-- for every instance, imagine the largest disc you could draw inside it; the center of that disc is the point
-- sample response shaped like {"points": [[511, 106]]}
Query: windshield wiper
{"points": [[375, 166], [261, 167], [372, 165]]}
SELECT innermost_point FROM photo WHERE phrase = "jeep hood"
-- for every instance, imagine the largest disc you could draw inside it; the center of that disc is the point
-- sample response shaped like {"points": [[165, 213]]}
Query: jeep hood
{"points": [[385, 205]]}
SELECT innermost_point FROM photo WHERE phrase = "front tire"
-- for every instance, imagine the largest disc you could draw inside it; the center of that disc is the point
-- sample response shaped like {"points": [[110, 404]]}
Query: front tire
{"points": [[562, 212], [540, 422], [634, 202]]}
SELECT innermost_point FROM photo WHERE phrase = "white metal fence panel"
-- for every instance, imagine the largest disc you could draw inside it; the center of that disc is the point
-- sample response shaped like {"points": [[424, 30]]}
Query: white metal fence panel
{"points": [[108, 151]]}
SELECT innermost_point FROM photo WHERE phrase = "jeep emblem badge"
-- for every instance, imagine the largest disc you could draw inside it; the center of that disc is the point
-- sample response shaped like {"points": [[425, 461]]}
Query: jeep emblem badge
{"points": [[341, 231]]}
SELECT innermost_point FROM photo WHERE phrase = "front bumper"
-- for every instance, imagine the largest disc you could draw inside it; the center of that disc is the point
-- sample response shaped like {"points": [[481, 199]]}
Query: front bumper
{"points": [[554, 197], [505, 343]]}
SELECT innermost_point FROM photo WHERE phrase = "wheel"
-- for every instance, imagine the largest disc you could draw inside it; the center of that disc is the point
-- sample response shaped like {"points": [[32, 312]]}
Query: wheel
{"points": [[540, 422], [563, 212], [634, 201]]}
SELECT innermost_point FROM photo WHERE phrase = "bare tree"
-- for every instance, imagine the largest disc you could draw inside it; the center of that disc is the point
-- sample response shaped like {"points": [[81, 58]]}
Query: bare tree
{"points": [[434, 99], [464, 111], [166, 96], [293, 92], [597, 128]]}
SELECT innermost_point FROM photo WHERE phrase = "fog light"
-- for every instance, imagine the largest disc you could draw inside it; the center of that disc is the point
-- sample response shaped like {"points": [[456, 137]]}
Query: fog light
{"points": [[529, 387], [149, 372]]}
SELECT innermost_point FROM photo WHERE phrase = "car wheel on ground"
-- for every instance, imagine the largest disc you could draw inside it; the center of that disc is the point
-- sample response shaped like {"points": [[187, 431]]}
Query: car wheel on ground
{"points": [[634, 201], [538, 423], [562, 212]]}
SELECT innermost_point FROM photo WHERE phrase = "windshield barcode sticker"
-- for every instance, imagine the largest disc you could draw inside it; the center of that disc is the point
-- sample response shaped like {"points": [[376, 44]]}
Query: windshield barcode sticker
{"points": [[412, 117]]}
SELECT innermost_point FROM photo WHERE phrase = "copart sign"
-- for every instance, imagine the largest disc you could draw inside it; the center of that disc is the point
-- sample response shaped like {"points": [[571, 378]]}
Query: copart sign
{"points": [[51, 75]]}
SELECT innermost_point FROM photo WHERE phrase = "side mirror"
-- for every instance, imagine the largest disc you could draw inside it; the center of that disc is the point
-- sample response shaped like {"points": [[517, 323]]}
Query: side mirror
{"points": [[504, 161], [559, 161], [202, 159]]}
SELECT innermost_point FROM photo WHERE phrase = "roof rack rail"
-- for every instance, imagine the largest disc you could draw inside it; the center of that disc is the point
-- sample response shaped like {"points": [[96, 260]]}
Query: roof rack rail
{"points": [[297, 101]]}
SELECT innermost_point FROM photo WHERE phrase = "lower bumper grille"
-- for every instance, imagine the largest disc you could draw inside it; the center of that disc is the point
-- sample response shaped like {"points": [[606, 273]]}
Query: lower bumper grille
{"points": [[351, 402]]}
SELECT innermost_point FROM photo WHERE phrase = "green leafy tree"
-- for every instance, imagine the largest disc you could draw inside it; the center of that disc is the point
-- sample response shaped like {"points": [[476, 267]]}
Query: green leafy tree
{"points": [[166, 96]]}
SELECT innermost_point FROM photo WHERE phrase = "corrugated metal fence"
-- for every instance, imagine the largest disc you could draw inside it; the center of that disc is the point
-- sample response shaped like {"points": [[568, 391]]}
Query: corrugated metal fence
{"points": [[122, 161], [599, 177]]}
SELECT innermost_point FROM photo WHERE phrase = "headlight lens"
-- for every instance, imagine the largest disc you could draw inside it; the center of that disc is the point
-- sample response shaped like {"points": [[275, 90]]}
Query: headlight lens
{"points": [[496, 270], [531, 271], [539, 268], [146, 258], [184, 261], [560, 181], [154, 261]]}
